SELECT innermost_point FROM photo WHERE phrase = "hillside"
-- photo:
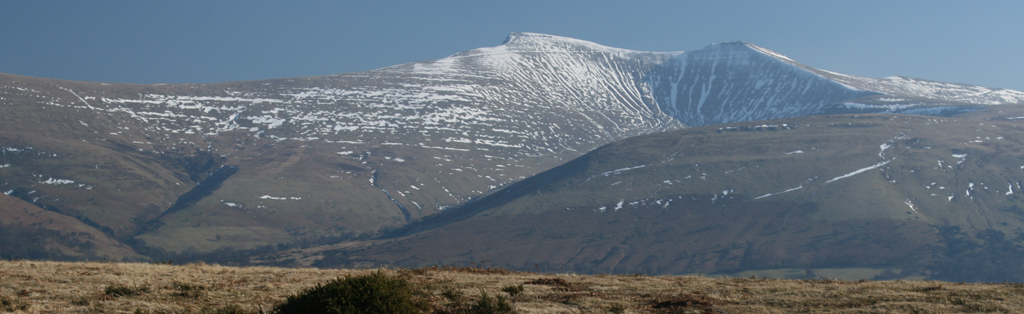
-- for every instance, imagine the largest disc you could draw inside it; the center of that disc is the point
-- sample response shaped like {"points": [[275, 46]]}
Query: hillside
{"points": [[28, 231], [50, 287], [933, 197]]}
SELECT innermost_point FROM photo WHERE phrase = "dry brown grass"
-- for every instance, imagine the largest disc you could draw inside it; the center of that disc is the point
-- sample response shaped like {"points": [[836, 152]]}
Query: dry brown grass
{"points": [[56, 287]]}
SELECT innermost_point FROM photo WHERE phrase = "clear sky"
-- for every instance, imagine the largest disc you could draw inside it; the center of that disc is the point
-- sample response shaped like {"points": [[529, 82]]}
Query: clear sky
{"points": [[188, 41]]}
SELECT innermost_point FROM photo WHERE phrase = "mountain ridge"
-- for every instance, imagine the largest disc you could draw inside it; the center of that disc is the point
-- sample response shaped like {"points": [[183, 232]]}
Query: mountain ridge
{"points": [[332, 157]]}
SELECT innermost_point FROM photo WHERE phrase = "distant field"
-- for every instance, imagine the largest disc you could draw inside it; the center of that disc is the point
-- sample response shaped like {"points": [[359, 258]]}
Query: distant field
{"points": [[57, 287]]}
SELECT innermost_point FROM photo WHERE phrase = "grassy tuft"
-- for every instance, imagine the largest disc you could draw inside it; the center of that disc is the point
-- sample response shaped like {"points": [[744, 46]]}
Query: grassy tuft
{"points": [[189, 290], [231, 309], [123, 290], [513, 290], [11, 305]]}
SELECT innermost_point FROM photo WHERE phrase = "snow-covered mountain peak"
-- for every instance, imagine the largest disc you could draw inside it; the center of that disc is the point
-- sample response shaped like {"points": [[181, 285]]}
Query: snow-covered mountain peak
{"points": [[534, 42], [540, 57], [514, 37], [521, 39], [737, 81]]}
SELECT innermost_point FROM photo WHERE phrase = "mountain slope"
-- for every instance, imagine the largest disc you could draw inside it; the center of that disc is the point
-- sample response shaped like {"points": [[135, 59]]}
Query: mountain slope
{"points": [[869, 191], [321, 159]]}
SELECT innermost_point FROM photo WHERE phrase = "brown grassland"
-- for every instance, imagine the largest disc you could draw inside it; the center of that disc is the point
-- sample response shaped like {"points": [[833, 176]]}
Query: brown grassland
{"points": [[62, 287]]}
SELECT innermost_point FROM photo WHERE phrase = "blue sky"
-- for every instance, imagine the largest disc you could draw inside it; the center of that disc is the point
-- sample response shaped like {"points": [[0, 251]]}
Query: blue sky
{"points": [[215, 41]]}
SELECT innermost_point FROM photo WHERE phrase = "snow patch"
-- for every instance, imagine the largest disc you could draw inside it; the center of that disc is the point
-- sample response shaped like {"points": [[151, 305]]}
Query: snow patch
{"points": [[268, 197], [963, 157], [57, 181], [884, 146], [858, 171], [771, 194], [615, 172]]}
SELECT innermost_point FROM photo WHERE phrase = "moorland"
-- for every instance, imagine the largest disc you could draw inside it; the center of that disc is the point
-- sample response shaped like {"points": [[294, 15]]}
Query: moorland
{"points": [[106, 287]]}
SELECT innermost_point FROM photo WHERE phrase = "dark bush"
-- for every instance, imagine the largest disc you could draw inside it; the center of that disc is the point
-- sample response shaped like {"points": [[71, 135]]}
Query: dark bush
{"points": [[373, 293]]}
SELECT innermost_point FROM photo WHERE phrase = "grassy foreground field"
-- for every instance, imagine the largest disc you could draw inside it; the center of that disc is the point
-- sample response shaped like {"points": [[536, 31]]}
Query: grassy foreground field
{"points": [[59, 287]]}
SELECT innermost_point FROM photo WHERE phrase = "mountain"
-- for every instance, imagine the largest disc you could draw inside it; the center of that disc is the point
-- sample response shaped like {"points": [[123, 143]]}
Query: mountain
{"points": [[931, 197], [200, 167]]}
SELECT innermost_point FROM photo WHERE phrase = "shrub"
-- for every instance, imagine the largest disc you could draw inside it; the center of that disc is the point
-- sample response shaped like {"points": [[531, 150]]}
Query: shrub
{"points": [[373, 293], [488, 305], [452, 294], [485, 305]]}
